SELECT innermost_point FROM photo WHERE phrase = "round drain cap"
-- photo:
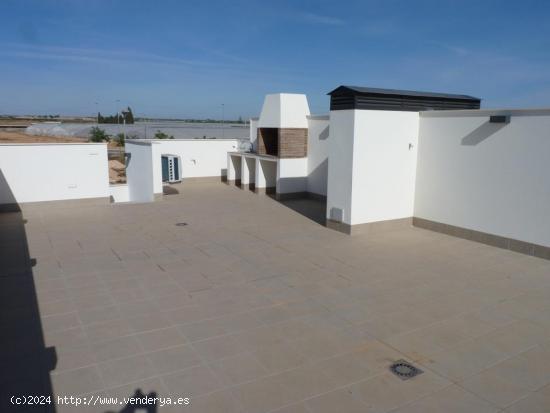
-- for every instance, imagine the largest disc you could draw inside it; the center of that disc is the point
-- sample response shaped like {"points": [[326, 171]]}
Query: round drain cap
{"points": [[404, 370]]}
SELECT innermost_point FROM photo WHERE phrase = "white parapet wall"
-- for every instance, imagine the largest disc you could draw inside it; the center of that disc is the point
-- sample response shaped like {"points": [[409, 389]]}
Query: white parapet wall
{"points": [[487, 177], [139, 170], [119, 193], [372, 165], [52, 172], [253, 133], [200, 158]]}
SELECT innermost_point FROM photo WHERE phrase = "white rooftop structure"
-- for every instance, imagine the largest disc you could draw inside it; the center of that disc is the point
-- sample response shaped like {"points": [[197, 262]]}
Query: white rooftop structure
{"points": [[284, 110]]}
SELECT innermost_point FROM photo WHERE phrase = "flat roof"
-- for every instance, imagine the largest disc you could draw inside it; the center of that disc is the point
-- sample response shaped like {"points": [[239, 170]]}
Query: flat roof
{"points": [[371, 98], [345, 90]]}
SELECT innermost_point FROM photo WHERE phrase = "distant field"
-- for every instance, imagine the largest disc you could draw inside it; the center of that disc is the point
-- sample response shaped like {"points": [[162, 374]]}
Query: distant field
{"points": [[16, 136]]}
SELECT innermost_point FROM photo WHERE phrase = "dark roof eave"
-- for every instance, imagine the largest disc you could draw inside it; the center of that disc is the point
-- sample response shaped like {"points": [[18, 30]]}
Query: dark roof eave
{"points": [[357, 90]]}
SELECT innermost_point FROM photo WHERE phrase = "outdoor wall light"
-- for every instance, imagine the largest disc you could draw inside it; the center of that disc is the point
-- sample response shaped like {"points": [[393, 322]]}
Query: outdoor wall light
{"points": [[499, 119]]}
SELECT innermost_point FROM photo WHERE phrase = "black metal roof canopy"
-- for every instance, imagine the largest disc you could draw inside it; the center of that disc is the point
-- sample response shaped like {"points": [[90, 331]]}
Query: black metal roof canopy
{"points": [[354, 97]]}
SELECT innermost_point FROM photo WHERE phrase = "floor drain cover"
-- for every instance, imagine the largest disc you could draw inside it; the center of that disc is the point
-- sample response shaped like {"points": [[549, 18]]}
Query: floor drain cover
{"points": [[404, 370], [181, 224]]}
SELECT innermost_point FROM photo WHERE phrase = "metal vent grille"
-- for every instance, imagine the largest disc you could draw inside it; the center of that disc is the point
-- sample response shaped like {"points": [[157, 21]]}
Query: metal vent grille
{"points": [[404, 370]]}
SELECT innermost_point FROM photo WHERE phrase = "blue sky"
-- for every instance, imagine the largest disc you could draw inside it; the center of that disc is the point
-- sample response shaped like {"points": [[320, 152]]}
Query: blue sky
{"points": [[186, 58]]}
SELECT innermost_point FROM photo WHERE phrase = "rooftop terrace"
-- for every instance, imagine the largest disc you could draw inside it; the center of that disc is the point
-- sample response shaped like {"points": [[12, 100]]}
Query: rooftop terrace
{"points": [[250, 306]]}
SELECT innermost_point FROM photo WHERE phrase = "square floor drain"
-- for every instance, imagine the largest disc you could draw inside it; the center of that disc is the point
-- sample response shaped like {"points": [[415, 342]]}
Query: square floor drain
{"points": [[404, 370]]}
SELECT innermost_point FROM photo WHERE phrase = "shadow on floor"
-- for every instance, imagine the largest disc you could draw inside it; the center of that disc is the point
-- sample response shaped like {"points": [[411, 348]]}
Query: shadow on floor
{"points": [[140, 402], [25, 362], [169, 190], [310, 208]]}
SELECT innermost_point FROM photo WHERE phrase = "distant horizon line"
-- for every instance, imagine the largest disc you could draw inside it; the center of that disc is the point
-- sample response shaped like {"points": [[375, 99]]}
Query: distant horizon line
{"points": [[93, 117]]}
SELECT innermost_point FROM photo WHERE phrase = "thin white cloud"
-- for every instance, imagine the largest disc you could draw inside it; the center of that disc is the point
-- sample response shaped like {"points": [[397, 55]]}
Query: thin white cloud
{"points": [[95, 55], [320, 19]]}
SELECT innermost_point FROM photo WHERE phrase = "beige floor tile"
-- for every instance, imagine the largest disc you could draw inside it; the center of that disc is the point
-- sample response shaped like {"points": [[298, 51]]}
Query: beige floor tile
{"points": [[517, 337], [336, 401], [192, 382], [306, 382], [218, 402], [261, 395], [349, 368], [78, 381], [238, 369], [159, 339], [534, 402], [218, 347], [465, 360], [293, 408], [118, 372], [499, 390], [386, 391], [452, 399], [279, 357], [116, 348], [173, 359]]}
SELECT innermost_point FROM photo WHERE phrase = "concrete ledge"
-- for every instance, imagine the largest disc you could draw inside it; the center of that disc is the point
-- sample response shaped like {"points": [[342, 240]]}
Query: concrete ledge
{"points": [[290, 195], [14, 207], [317, 197], [370, 228], [299, 195], [204, 179], [233, 182], [498, 241], [266, 191]]}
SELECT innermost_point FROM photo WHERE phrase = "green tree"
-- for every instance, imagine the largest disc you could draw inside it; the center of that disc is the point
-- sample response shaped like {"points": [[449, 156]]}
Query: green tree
{"points": [[120, 139], [98, 135], [129, 116], [162, 135]]}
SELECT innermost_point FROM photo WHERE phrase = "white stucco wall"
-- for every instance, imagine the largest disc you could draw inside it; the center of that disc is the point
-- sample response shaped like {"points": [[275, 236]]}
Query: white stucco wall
{"points": [[139, 171], [372, 164], [384, 165], [340, 166], [199, 157], [253, 134], [51, 171], [291, 175], [119, 193], [317, 154], [284, 110], [486, 177]]}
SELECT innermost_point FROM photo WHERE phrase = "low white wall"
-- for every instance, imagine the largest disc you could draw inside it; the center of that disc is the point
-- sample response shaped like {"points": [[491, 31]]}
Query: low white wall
{"points": [[139, 171], [487, 177], [317, 154], [291, 175], [51, 171], [119, 193], [199, 157]]}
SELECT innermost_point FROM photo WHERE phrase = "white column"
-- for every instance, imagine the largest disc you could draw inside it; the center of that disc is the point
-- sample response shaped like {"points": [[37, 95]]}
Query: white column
{"points": [[245, 173], [259, 175], [230, 168]]}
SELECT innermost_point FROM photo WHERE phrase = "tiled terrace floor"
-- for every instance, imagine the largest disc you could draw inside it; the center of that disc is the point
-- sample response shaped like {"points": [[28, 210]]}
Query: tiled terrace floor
{"points": [[254, 308]]}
